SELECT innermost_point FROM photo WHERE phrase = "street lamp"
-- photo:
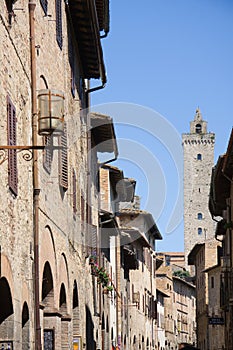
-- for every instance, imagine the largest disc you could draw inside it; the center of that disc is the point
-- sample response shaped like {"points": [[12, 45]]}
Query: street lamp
{"points": [[50, 112]]}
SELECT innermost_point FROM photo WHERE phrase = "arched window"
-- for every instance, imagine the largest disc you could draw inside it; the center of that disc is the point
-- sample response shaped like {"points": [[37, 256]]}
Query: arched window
{"points": [[198, 128], [199, 230], [199, 156], [199, 216]]}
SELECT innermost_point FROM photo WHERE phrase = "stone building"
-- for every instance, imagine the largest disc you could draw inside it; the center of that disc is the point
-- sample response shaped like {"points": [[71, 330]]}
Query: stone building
{"points": [[161, 295], [198, 153], [138, 279], [179, 306], [50, 51], [203, 256], [216, 329], [220, 204], [172, 258]]}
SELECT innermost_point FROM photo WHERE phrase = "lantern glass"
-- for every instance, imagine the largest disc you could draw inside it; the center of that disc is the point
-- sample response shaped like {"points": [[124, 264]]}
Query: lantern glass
{"points": [[50, 112]]}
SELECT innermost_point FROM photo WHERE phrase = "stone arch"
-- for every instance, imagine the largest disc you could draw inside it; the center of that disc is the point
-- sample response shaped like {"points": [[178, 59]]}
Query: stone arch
{"points": [[198, 128], [76, 311], [47, 287], [90, 342], [6, 272], [6, 311], [25, 327], [48, 255], [63, 271]]}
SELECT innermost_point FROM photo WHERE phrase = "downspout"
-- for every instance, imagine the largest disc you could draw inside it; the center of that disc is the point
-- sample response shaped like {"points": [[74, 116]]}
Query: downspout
{"points": [[99, 87], [36, 189], [118, 288]]}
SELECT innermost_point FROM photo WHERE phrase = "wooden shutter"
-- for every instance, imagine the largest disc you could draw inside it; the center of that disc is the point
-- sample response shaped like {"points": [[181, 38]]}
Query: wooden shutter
{"points": [[74, 180], [71, 61], [94, 240], [11, 140], [44, 5], [59, 23], [63, 160], [48, 153]]}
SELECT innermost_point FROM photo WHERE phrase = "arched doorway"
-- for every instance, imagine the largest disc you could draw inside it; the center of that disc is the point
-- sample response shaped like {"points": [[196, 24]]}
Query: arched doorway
{"points": [[25, 327], [90, 344], [6, 312], [47, 287]]}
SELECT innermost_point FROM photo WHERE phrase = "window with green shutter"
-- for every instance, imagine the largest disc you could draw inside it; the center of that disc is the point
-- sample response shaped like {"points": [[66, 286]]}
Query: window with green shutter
{"points": [[11, 140]]}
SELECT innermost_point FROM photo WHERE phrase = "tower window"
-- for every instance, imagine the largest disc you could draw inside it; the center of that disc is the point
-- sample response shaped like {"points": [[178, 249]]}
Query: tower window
{"points": [[199, 216], [198, 128], [199, 230], [199, 156]]}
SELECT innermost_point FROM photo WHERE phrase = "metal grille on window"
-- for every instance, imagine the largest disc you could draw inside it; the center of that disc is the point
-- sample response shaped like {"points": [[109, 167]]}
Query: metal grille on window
{"points": [[44, 5], [48, 339], [12, 156], [63, 160], [59, 23], [48, 153]]}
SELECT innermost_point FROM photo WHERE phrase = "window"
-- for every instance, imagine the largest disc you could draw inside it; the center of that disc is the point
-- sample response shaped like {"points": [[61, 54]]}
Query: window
{"points": [[71, 55], [44, 5], [11, 141], [63, 160], [198, 128], [59, 23], [48, 153], [199, 216], [199, 230], [49, 342], [199, 156], [212, 282], [9, 6]]}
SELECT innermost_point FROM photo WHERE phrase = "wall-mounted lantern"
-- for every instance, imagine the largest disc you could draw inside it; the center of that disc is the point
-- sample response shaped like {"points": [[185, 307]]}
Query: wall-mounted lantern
{"points": [[50, 112]]}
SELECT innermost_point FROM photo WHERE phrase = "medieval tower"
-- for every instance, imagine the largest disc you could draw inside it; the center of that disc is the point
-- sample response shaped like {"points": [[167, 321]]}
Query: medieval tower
{"points": [[198, 153]]}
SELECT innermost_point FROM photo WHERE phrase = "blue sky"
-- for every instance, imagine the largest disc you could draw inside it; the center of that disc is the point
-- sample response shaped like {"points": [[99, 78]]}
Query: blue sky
{"points": [[169, 56]]}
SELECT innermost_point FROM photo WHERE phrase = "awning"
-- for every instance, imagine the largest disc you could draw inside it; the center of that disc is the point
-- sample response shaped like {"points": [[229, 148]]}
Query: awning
{"points": [[103, 133], [86, 29], [108, 224], [131, 235], [151, 225]]}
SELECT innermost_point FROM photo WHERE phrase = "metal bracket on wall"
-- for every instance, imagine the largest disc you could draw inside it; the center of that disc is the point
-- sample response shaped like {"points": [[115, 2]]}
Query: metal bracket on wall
{"points": [[28, 151]]}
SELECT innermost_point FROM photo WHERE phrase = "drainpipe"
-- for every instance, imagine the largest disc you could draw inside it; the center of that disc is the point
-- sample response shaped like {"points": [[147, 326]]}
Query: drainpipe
{"points": [[118, 288], [36, 189]]}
